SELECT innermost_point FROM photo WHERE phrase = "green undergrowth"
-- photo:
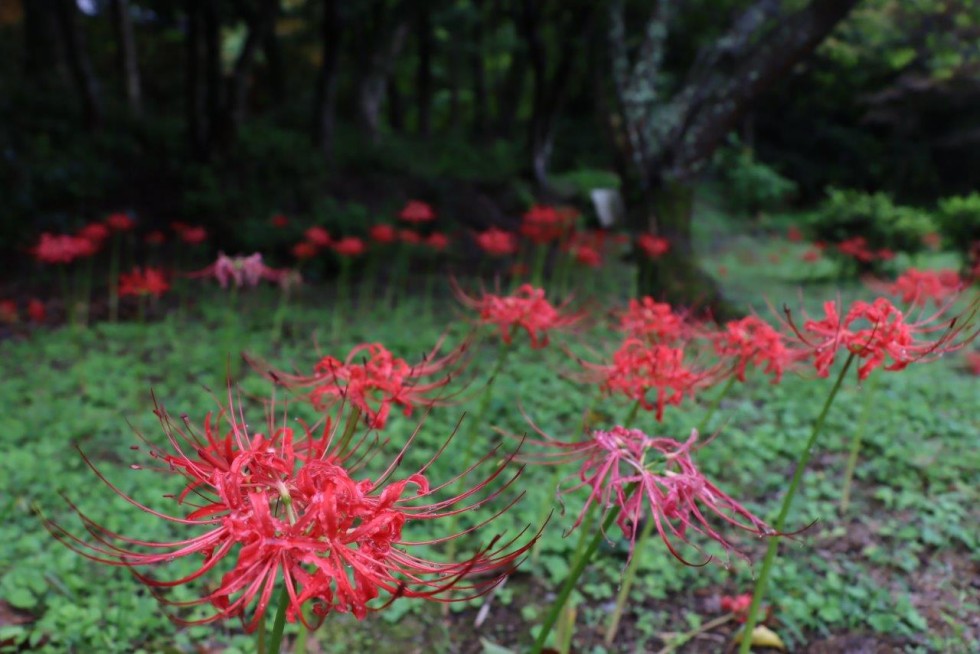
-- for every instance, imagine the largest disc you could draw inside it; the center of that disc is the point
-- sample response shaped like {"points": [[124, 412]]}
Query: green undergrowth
{"points": [[894, 567]]}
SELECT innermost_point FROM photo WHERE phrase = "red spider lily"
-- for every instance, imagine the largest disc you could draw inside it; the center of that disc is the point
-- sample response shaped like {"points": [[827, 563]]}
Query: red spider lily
{"points": [[738, 605], [304, 250], [857, 249], [138, 281], [383, 234], [240, 270], [752, 341], [653, 246], [793, 234], [648, 319], [8, 312], [156, 237], [372, 379], [36, 310], [586, 255], [973, 362], [917, 287], [62, 248], [812, 255], [349, 246], [932, 240], [409, 236], [878, 331], [94, 232], [190, 234], [294, 505], [279, 221], [543, 224], [526, 308], [120, 222], [318, 236], [437, 241], [415, 211], [497, 242], [647, 478], [639, 368]]}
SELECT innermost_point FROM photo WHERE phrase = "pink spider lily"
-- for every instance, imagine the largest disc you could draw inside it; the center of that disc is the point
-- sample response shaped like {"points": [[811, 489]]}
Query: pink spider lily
{"points": [[877, 331], [241, 271], [638, 369], [288, 504], [752, 341], [526, 308], [373, 380], [646, 478]]}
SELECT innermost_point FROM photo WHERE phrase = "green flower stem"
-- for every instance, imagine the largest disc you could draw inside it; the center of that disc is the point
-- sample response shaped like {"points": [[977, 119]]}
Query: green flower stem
{"points": [[715, 403], [342, 305], [484, 404], [869, 393], [275, 638], [627, 583], [114, 278], [537, 271], [582, 558], [280, 315], [349, 429], [398, 273], [632, 415], [767, 562], [66, 293]]}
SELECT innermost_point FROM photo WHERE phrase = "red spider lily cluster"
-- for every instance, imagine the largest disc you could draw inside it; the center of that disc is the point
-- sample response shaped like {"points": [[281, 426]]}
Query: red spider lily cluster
{"points": [[371, 379], [526, 308], [189, 234], [857, 249], [297, 506], [645, 478], [416, 211], [62, 248], [545, 224], [142, 282]]}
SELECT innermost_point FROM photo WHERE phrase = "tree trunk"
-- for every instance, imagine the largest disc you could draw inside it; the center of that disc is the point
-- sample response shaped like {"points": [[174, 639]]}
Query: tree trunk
{"points": [[213, 96], [423, 76], [260, 24], [79, 64], [126, 60], [325, 98], [396, 109], [676, 277], [374, 81]]}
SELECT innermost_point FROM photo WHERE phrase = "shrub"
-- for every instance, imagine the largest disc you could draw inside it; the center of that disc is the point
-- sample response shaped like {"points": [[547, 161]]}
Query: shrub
{"points": [[751, 185], [847, 215], [959, 221]]}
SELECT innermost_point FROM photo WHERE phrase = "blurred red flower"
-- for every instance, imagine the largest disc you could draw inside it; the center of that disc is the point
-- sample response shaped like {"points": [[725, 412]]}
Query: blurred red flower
{"points": [[120, 222], [653, 246], [416, 211], [526, 308], [497, 242], [383, 234], [62, 248], [279, 221], [349, 246], [36, 310], [304, 250], [139, 281], [318, 236]]}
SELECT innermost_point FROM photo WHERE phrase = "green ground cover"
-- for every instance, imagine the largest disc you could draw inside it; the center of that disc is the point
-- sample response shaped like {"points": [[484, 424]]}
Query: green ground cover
{"points": [[898, 570]]}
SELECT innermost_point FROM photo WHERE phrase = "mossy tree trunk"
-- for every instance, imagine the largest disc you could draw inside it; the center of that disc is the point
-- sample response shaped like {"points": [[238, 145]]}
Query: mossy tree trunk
{"points": [[676, 277]]}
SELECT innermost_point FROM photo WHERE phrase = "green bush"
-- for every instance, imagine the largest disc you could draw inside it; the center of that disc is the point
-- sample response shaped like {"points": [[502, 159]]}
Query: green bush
{"points": [[849, 213], [751, 185], [959, 220]]}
